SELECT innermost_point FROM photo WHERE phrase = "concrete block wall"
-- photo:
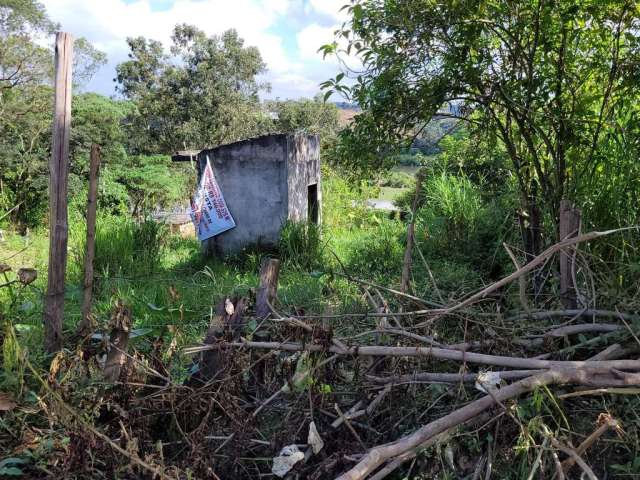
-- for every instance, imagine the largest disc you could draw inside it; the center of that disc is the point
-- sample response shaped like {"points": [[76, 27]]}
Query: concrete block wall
{"points": [[265, 182]]}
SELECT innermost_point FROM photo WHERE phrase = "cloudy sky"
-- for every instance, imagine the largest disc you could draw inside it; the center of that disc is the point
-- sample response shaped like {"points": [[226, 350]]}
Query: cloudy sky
{"points": [[287, 32]]}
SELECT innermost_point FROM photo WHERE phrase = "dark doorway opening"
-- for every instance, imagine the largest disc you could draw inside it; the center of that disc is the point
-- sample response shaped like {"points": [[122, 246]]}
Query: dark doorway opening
{"points": [[312, 199]]}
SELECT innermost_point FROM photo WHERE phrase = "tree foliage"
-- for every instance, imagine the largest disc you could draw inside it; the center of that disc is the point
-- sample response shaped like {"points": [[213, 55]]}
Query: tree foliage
{"points": [[310, 116], [553, 80], [26, 69], [204, 94]]}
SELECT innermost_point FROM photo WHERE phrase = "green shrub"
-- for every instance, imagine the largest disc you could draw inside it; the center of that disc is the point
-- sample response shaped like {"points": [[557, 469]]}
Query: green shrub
{"points": [[378, 251], [124, 247], [301, 245], [396, 180], [455, 222], [343, 200], [456, 201], [410, 159]]}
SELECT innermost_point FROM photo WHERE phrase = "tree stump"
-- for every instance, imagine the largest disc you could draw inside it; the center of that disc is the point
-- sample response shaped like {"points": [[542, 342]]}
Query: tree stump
{"points": [[118, 340], [269, 272]]}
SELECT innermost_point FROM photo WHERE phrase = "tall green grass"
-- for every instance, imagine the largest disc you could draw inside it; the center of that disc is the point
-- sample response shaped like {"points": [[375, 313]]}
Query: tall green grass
{"points": [[301, 245], [454, 200], [125, 247]]}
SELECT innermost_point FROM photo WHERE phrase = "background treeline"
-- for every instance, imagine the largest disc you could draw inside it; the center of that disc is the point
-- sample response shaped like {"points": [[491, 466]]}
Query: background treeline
{"points": [[508, 111], [201, 93]]}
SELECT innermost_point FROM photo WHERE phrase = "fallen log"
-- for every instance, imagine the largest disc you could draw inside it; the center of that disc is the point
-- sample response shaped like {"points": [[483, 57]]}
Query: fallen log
{"points": [[426, 352], [541, 315], [398, 449], [437, 377], [580, 328]]}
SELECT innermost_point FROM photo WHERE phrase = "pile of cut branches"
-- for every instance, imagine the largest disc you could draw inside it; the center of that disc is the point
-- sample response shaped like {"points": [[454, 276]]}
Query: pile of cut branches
{"points": [[407, 388]]}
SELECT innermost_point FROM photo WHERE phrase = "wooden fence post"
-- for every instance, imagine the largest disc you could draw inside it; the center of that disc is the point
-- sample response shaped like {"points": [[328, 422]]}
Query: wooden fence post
{"points": [[569, 227], [59, 172], [405, 282], [94, 169]]}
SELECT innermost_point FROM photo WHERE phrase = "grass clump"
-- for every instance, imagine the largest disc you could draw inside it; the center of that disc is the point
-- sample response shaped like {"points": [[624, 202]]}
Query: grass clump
{"points": [[301, 245], [126, 247]]}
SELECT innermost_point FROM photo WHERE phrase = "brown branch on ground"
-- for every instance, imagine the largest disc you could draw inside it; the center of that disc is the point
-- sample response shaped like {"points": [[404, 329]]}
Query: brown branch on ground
{"points": [[426, 352], [399, 449]]}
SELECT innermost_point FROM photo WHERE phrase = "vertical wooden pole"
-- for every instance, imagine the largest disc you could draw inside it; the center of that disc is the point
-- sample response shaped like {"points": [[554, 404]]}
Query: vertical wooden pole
{"points": [[58, 176], [94, 170], [269, 272], [405, 282], [569, 226]]}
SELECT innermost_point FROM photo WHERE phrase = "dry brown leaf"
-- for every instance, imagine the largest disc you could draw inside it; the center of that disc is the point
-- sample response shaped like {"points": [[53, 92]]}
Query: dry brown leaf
{"points": [[27, 275], [6, 402], [174, 294]]}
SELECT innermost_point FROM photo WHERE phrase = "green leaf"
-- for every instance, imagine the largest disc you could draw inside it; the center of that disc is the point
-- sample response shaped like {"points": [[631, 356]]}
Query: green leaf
{"points": [[302, 378], [357, 12], [252, 325], [13, 461], [326, 389], [10, 471]]}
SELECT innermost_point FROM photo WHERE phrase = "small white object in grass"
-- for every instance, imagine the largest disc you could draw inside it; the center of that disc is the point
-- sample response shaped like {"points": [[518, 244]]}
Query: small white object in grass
{"points": [[289, 456], [488, 380], [448, 455], [314, 439], [228, 307]]}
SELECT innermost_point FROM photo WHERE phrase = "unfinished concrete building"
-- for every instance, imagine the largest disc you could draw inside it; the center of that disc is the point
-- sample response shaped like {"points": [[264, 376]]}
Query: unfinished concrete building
{"points": [[266, 181]]}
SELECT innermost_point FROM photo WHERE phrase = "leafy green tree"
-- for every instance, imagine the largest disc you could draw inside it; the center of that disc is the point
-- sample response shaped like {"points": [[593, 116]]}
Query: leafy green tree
{"points": [[98, 119], [549, 78], [312, 116], [26, 69], [205, 94], [306, 115], [128, 183]]}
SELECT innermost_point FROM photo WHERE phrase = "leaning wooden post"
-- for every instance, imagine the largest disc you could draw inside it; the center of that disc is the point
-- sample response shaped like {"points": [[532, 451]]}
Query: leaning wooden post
{"points": [[569, 227], [94, 169], [58, 176], [405, 283], [269, 271]]}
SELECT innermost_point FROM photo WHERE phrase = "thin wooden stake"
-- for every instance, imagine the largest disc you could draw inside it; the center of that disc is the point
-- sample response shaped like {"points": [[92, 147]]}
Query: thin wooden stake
{"points": [[406, 265], [59, 172], [94, 169]]}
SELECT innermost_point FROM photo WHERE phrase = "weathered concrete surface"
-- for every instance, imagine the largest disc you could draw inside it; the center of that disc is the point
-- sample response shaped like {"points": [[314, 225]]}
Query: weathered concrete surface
{"points": [[303, 170], [265, 182]]}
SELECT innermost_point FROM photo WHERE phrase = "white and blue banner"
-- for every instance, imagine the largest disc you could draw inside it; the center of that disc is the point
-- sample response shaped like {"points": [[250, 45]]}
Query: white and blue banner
{"points": [[209, 211]]}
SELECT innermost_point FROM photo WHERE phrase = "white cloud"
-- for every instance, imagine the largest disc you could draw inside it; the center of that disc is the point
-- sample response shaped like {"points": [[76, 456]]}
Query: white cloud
{"points": [[311, 38], [107, 24], [331, 8]]}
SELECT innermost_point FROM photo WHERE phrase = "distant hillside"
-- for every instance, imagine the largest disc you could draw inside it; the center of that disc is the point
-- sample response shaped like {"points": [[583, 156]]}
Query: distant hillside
{"points": [[346, 112]]}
